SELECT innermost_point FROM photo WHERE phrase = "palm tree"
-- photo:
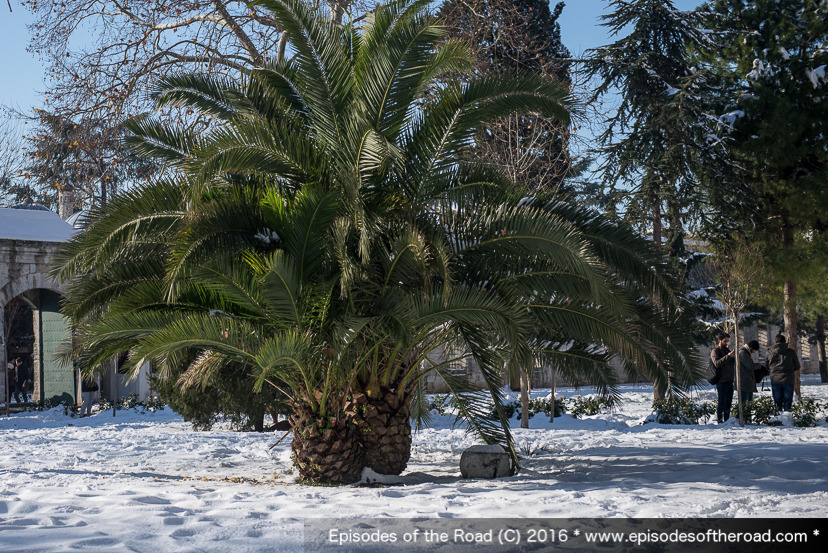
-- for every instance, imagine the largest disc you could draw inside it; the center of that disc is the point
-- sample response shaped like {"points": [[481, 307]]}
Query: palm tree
{"points": [[330, 235]]}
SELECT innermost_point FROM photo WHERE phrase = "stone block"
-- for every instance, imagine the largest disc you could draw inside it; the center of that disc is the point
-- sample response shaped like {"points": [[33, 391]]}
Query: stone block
{"points": [[485, 461]]}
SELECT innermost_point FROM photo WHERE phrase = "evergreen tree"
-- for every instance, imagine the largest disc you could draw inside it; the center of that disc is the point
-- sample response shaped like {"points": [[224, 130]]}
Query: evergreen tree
{"points": [[229, 397], [517, 36], [775, 55], [659, 137]]}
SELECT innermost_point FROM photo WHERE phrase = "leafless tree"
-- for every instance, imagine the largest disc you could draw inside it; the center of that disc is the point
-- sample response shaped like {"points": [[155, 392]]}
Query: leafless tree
{"points": [[739, 270], [11, 159], [507, 36], [103, 55], [87, 154]]}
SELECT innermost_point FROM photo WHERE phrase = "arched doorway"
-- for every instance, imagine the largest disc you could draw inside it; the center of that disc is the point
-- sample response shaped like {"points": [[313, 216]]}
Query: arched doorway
{"points": [[29, 238], [35, 332]]}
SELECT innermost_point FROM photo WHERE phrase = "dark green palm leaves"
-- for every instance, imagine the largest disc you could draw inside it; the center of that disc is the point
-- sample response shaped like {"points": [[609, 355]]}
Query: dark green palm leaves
{"points": [[329, 234]]}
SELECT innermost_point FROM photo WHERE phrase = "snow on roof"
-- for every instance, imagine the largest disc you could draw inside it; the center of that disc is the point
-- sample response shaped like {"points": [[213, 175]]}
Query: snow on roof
{"points": [[33, 225]]}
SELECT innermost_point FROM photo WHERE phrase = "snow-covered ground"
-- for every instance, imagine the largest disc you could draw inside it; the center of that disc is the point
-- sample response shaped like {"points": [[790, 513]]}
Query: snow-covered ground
{"points": [[147, 482]]}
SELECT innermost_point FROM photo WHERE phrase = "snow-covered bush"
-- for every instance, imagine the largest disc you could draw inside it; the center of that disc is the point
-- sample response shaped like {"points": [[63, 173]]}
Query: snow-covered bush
{"points": [[682, 411], [152, 403], [441, 404], [807, 412], [543, 405], [762, 410], [588, 406]]}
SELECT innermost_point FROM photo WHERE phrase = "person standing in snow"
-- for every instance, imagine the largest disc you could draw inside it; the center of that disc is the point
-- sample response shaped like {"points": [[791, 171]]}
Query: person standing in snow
{"points": [[11, 372], [783, 365], [746, 370], [88, 389], [724, 361], [20, 383]]}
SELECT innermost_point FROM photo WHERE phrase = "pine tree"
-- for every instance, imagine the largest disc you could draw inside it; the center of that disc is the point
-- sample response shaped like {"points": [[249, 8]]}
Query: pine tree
{"points": [[774, 53], [659, 136]]}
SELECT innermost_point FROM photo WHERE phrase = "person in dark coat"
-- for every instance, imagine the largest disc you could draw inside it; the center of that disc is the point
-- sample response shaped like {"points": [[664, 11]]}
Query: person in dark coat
{"points": [[783, 364], [724, 361], [21, 384], [746, 368]]}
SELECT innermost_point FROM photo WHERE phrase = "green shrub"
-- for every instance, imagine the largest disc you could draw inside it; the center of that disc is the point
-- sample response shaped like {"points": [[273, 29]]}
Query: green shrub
{"points": [[441, 403], [229, 399], [152, 403], [806, 412], [682, 411], [543, 405], [759, 411], [588, 406]]}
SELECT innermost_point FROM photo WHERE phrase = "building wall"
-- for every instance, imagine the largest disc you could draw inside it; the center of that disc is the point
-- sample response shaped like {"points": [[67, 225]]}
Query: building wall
{"points": [[125, 386], [24, 267], [543, 376]]}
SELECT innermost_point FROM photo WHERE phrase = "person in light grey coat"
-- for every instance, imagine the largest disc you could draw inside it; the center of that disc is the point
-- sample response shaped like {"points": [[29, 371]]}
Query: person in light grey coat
{"points": [[746, 370]]}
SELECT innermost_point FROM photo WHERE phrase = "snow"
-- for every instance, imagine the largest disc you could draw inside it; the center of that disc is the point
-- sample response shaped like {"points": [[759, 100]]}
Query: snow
{"points": [[33, 225], [267, 236], [730, 118], [816, 75], [147, 482]]}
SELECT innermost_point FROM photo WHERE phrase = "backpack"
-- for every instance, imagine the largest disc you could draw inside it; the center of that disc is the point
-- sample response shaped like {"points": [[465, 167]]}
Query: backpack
{"points": [[760, 373], [714, 374]]}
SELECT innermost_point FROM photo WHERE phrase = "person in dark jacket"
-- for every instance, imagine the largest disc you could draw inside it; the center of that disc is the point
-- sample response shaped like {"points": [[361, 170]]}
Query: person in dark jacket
{"points": [[20, 385], [724, 361], [783, 364], [746, 368]]}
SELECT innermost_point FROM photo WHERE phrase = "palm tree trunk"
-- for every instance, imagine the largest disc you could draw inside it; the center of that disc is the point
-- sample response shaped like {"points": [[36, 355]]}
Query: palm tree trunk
{"points": [[325, 449], [384, 427]]}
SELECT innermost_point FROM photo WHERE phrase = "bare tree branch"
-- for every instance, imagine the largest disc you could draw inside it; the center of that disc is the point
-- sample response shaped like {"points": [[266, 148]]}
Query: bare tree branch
{"points": [[102, 55]]}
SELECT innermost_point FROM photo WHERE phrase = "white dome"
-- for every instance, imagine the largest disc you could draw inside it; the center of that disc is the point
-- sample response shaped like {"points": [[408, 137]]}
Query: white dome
{"points": [[78, 220]]}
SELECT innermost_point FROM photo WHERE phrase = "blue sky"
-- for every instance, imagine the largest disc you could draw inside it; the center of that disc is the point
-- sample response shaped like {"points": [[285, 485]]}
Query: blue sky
{"points": [[23, 74]]}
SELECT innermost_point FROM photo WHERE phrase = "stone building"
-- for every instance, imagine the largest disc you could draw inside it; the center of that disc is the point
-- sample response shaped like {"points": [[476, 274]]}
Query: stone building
{"points": [[543, 376], [28, 239], [32, 327]]}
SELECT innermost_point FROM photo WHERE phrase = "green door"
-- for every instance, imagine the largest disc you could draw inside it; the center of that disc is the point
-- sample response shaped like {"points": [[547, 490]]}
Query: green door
{"points": [[58, 380]]}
